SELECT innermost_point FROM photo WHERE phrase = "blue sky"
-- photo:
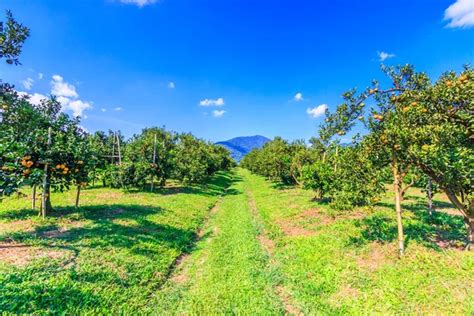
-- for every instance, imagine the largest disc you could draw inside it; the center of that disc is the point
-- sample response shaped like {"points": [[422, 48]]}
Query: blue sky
{"points": [[221, 69]]}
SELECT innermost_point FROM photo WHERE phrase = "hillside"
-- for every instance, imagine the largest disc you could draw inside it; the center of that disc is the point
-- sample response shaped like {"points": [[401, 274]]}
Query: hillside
{"points": [[241, 146]]}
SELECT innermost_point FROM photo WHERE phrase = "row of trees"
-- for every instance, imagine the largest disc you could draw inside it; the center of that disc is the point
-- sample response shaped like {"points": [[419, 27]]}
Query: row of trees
{"points": [[417, 132], [42, 147]]}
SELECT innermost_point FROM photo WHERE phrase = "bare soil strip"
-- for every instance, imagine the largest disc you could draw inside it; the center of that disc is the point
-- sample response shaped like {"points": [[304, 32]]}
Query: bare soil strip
{"points": [[269, 246]]}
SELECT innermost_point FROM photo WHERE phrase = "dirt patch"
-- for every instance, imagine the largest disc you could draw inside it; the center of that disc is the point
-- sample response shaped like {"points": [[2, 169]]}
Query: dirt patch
{"points": [[20, 254], [446, 244], [345, 292], [110, 195], [292, 229], [55, 233], [308, 221], [267, 243], [9, 227], [377, 256], [286, 300], [302, 223]]}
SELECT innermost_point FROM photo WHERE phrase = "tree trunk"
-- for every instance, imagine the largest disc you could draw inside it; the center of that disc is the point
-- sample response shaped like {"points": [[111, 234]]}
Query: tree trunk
{"points": [[470, 233], [398, 206], [429, 195], [78, 194], [33, 197], [46, 206]]}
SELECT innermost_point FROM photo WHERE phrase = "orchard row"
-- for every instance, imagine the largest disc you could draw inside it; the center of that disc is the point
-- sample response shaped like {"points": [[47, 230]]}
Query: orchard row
{"points": [[40, 146], [416, 132]]}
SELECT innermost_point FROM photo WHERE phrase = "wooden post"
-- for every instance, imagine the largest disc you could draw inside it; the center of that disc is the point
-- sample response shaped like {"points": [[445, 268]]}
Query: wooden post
{"points": [[45, 201], [118, 148], [398, 206], [33, 197], [154, 162], [113, 149], [78, 194]]}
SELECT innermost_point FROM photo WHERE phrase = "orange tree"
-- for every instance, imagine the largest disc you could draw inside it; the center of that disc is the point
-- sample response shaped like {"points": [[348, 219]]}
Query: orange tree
{"points": [[439, 125], [415, 123], [12, 37], [37, 142], [150, 157]]}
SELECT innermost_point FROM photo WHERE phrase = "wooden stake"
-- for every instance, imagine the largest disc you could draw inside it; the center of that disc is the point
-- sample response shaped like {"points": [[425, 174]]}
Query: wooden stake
{"points": [[78, 194], [154, 161], [118, 148], [33, 197]]}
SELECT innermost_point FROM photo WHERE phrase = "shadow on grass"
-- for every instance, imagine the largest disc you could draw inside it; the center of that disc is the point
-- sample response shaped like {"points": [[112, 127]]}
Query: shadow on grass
{"points": [[109, 230], [56, 298], [431, 231], [214, 186], [218, 185]]}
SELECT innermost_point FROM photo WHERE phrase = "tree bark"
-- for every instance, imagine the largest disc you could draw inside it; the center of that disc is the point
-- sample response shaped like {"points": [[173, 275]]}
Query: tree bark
{"points": [[46, 206], [398, 206], [470, 233], [33, 197], [429, 195], [78, 194]]}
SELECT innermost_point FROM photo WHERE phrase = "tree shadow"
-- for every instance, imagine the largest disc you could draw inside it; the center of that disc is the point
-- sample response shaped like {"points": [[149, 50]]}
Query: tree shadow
{"points": [[55, 299], [214, 186], [218, 185], [18, 214], [133, 230], [108, 230], [281, 186], [438, 231]]}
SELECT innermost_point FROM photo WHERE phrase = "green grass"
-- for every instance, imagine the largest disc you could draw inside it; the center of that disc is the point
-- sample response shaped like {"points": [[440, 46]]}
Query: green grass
{"points": [[117, 253], [346, 262], [110, 255], [229, 272]]}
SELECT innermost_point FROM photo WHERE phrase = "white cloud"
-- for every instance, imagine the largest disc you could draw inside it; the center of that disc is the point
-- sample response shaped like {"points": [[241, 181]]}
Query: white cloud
{"points": [[317, 111], [210, 102], [171, 85], [118, 108], [384, 55], [60, 88], [40, 76], [28, 83], [460, 14], [139, 3], [298, 97], [68, 97], [218, 113], [78, 107], [63, 100], [34, 98], [103, 110]]}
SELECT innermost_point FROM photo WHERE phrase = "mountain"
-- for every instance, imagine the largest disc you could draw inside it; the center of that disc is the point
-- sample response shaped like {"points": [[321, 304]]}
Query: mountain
{"points": [[241, 146]]}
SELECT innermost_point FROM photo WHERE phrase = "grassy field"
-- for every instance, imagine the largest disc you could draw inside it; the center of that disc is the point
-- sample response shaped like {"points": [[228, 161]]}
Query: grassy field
{"points": [[238, 245], [110, 255]]}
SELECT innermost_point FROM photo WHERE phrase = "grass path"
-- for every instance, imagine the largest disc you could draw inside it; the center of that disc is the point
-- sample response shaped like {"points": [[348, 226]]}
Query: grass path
{"points": [[230, 270]]}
